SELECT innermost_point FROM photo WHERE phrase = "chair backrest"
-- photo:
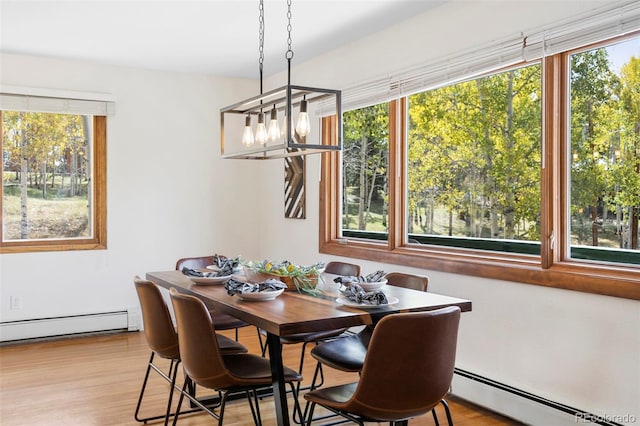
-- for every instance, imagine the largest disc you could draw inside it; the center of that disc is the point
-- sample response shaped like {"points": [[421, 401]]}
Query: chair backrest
{"points": [[342, 268], [158, 326], [409, 364], [412, 281], [194, 262], [199, 349]]}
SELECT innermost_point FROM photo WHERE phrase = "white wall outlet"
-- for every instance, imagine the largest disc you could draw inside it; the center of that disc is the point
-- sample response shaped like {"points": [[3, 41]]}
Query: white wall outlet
{"points": [[15, 303]]}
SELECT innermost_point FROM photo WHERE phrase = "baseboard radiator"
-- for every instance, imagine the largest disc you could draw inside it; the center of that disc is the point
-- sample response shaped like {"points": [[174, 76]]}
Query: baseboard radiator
{"points": [[524, 406], [125, 320]]}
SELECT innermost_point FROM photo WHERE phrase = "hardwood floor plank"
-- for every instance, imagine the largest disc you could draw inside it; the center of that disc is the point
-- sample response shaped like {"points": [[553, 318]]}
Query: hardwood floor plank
{"points": [[96, 380]]}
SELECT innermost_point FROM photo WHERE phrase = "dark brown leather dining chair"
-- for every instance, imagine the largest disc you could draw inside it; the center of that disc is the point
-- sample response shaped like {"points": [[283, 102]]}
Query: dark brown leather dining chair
{"points": [[395, 384], [205, 365], [221, 320], [163, 341]]}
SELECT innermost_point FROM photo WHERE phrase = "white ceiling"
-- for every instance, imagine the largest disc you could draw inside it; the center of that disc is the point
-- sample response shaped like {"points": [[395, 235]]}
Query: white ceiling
{"points": [[218, 37]]}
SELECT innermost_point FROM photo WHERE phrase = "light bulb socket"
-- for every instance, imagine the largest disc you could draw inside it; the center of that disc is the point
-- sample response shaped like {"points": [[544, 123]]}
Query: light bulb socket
{"points": [[261, 118], [274, 113], [247, 121], [303, 105]]}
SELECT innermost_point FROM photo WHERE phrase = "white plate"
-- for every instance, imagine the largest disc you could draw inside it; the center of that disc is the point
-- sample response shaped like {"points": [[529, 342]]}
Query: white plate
{"points": [[346, 302], [263, 295], [210, 280]]}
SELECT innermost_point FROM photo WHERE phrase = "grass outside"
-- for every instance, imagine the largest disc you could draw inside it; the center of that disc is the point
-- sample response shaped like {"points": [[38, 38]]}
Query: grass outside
{"points": [[48, 219], [581, 233]]}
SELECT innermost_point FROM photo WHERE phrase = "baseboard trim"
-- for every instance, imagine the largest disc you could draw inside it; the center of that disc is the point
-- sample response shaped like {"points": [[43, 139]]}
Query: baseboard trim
{"points": [[69, 325], [522, 405]]}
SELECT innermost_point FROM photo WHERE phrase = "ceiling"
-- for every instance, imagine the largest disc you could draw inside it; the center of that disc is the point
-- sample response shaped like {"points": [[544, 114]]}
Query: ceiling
{"points": [[218, 37]]}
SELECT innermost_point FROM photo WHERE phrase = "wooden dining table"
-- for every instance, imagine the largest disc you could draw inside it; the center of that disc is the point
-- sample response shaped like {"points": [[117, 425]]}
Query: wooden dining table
{"points": [[293, 312]]}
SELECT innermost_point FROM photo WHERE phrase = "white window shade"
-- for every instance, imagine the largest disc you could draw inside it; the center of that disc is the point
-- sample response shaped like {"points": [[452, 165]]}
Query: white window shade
{"points": [[54, 101], [613, 20]]}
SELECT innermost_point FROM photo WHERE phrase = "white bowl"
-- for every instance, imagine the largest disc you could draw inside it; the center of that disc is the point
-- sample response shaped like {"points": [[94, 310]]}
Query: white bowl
{"points": [[373, 286], [263, 295]]}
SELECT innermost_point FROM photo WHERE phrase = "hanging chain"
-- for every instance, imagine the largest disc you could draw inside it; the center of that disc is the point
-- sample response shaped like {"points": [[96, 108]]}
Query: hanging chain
{"points": [[261, 38], [289, 53]]}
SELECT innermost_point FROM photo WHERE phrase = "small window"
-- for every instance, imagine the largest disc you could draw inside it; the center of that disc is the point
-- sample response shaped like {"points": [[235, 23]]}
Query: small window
{"points": [[605, 153], [53, 186], [365, 194]]}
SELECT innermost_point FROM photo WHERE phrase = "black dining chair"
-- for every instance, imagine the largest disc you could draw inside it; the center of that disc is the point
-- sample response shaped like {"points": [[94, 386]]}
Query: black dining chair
{"points": [[406, 373], [163, 341]]}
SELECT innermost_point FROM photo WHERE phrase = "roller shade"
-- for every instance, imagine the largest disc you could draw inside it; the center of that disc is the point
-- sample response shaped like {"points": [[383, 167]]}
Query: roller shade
{"points": [[613, 20], [57, 102]]}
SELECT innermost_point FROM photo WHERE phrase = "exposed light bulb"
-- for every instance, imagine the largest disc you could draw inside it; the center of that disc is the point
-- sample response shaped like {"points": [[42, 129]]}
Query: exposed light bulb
{"points": [[261, 131], [247, 135], [303, 127], [274, 127]]}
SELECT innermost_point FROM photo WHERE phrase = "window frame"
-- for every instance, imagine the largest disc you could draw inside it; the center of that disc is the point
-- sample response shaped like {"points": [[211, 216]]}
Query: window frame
{"points": [[99, 211], [552, 268]]}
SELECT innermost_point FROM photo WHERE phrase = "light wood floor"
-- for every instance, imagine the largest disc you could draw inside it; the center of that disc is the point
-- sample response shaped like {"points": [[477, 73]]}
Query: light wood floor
{"points": [[96, 380]]}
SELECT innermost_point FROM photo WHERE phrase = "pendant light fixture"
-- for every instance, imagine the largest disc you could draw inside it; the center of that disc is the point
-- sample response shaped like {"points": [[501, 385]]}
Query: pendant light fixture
{"points": [[299, 105]]}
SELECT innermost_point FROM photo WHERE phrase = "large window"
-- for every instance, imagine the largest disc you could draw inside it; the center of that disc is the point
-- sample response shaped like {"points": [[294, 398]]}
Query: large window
{"points": [[53, 181], [530, 173], [473, 164]]}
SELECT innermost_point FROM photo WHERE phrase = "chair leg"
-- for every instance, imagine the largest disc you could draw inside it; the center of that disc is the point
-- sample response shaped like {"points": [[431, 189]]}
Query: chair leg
{"points": [[257, 418], [262, 349], [447, 411], [310, 418], [144, 385], [170, 377], [435, 416], [297, 410], [173, 384], [184, 390]]}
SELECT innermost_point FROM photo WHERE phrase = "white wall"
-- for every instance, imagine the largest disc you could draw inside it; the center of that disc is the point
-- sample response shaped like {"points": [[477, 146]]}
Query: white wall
{"points": [[169, 195]]}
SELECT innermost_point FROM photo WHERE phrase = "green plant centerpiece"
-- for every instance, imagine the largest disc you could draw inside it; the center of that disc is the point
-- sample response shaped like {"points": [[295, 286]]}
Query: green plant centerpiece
{"points": [[296, 277]]}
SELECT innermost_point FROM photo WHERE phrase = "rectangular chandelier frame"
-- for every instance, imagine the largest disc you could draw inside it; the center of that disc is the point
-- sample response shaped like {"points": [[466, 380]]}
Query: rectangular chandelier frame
{"points": [[286, 100]]}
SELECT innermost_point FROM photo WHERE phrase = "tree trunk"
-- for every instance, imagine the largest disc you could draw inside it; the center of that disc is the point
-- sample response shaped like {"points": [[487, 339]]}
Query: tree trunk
{"points": [[594, 226], [633, 228], [345, 196], [24, 169], [371, 187], [509, 207], [363, 182]]}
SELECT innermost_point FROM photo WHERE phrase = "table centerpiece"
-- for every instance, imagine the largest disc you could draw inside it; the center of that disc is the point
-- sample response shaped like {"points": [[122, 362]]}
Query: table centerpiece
{"points": [[296, 277]]}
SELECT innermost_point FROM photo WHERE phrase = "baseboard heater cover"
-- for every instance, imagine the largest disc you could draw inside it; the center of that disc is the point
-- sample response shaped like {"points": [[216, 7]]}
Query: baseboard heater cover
{"points": [[67, 325], [524, 406]]}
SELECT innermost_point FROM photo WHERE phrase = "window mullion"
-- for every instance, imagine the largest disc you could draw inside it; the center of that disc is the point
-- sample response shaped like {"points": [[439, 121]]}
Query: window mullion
{"points": [[551, 235]]}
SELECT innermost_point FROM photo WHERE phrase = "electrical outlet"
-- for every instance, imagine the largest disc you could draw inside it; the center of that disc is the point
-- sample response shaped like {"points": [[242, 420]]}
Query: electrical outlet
{"points": [[15, 302]]}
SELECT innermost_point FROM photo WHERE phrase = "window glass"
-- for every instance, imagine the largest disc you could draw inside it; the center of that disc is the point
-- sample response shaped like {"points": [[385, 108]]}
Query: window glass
{"points": [[605, 153], [474, 163], [46, 176], [365, 195]]}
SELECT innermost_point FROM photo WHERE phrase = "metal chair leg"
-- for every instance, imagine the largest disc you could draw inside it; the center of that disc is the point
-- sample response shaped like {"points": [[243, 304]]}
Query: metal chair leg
{"points": [[435, 416], [171, 378], [447, 411]]}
